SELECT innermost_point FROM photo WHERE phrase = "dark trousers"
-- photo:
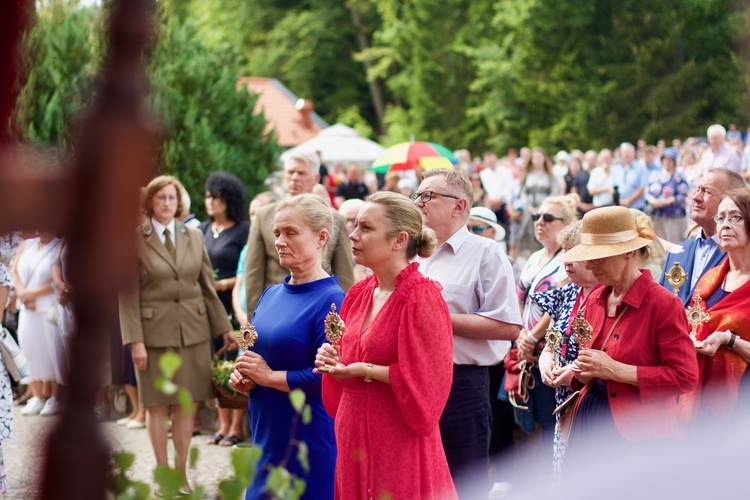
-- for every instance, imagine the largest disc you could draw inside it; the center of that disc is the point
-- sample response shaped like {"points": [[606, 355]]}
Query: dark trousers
{"points": [[465, 429]]}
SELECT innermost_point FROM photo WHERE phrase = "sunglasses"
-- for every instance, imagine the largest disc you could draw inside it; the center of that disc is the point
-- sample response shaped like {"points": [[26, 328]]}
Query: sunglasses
{"points": [[548, 218], [477, 229]]}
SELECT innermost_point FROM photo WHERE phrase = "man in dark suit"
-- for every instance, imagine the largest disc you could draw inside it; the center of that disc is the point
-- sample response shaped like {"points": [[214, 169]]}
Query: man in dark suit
{"points": [[702, 252], [262, 268]]}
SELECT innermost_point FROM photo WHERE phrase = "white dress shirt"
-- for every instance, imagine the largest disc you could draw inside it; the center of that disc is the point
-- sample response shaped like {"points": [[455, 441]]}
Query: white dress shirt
{"points": [[159, 229], [477, 278]]}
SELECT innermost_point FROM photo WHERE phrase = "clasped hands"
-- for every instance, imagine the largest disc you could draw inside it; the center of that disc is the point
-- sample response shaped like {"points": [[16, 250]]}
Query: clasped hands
{"points": [[590, 364], [252, 366], [329, 355]]}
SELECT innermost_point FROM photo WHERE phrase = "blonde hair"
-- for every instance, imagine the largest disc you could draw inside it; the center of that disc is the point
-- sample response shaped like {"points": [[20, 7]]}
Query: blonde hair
{"points": [[643, 225], [403, 215], [156, 185], [316, 215], [569, 205], [457, 182]]}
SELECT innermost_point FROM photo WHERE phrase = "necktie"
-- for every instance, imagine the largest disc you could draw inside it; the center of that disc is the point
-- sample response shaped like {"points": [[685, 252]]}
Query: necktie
{"points": [[169, 245]]}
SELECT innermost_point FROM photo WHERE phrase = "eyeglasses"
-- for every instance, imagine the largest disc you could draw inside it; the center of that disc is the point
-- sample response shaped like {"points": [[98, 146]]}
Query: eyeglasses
{"points": [[733, 219], [548, 218], [426, 196], [165, 199], [477, 229]]}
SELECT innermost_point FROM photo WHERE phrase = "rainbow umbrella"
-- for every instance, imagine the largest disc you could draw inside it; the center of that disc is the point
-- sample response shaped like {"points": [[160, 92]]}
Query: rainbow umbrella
{"points": [[409, 155]]}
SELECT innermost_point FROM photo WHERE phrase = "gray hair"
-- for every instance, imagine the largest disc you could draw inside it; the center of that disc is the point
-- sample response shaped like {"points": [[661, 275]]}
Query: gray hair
{"points": [[309, 158], [716, 129], [570, 235]]}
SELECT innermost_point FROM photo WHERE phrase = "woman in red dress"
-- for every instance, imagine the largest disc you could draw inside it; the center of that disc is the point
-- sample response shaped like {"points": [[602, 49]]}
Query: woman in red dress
{"points": [[397, 363]]}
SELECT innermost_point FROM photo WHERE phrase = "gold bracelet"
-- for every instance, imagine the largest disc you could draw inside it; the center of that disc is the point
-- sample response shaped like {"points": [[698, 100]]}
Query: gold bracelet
{"points": [[368, 372]]}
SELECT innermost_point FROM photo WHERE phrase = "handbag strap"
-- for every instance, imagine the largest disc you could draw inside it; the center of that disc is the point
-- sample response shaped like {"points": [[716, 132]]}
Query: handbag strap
{"points": [[604, 344]]}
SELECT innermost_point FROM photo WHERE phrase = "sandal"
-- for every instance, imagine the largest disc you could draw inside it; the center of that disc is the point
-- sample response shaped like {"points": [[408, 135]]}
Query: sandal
{"points": [[215, 438], [230, 440]]}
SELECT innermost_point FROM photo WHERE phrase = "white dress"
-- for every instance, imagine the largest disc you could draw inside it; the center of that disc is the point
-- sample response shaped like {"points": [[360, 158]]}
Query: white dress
{"points": [[38, 338]]}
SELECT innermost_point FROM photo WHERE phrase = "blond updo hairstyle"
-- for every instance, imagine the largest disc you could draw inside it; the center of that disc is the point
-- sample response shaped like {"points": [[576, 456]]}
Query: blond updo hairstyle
{"points": [[403, 215], [569, 205], [315, 213]]}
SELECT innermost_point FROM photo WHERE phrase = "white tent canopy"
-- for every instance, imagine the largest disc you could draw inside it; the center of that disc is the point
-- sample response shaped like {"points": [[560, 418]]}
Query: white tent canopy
{"points": [[340, 144]]}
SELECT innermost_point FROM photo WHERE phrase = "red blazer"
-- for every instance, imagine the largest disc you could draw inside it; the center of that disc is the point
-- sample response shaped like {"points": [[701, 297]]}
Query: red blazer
{"points": [[653, 336]]}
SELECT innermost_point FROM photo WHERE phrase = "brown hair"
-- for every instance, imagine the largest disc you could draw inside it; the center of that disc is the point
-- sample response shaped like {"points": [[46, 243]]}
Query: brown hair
{"points": [[528, 165], [156, 185], [403, 215], [741, 198]]}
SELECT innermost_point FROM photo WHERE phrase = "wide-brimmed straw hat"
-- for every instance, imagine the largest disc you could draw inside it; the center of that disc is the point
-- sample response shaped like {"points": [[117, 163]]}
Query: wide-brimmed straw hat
{"points": [[605, 232]]}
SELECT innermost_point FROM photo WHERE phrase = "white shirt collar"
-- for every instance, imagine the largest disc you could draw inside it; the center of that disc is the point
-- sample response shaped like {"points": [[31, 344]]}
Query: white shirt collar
{"points": [[159, 228]]}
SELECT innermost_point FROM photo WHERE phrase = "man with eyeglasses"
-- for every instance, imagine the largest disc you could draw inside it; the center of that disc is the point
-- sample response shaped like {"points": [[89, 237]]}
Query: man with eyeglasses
{"points": [[479, 288], [701, 253]]}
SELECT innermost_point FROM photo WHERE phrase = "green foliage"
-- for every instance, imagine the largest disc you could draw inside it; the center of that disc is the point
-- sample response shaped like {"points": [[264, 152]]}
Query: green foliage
{"points": [[208, 123], [57, 64], [169, 363], [589, 74]]}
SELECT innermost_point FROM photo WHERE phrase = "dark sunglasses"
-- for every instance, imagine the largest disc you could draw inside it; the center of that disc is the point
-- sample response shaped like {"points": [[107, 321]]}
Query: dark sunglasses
{"points": [[548, 218], [477, 229]]}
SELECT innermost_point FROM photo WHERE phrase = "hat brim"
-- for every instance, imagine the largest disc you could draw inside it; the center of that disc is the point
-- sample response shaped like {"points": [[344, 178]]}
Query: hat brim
{"points": [[583, 252], [499, 230]]}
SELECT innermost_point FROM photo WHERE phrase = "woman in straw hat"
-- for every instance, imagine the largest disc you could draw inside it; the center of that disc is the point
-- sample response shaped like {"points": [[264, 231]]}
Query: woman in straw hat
{"points": [[638, 356]]}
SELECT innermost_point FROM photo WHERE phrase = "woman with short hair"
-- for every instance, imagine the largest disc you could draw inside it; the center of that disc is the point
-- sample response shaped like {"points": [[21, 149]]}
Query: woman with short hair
{"points": [[724, 293], [172, 307]]}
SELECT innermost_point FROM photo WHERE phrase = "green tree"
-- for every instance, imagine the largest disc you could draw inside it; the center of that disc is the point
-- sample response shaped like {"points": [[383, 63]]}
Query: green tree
{"points": [[57, 66], [586, 74], [208, 122]]}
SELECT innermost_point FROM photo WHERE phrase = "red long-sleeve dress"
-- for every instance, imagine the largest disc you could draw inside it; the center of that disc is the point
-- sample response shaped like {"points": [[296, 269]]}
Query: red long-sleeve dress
{"points": [[387, 435]]}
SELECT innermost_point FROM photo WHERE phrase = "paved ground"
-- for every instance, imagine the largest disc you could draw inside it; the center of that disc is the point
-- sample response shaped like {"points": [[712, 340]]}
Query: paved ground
{"points": [[23, 454]]}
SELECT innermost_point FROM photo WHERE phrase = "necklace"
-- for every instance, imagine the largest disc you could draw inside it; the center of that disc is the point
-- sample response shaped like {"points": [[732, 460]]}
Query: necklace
{"points": [[216, 232]]}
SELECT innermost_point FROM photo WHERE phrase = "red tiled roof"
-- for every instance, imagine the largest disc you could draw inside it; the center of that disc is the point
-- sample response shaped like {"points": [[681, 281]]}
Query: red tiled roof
{"points": [[278, 105]]}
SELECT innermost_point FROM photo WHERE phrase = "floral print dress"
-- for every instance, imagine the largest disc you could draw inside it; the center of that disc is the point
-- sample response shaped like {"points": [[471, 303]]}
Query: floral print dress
{"points": [[559, 304]]}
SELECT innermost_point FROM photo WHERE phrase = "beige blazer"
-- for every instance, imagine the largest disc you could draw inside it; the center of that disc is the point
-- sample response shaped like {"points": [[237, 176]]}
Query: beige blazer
{"points": [[262, 268], [173, 304]]}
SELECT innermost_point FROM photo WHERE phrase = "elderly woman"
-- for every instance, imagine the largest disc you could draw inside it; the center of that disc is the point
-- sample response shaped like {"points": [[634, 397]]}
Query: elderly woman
{"points": [[38, 338], [639, 358], [666, 194], [561, 350], [172, 307], [542, 272], [225, 234], [390, 377], [290, 320], [723, 292]]}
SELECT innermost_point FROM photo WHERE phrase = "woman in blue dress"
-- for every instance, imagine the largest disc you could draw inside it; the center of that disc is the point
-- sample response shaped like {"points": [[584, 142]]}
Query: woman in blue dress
{"points": [[560, 304], [290, 323]]}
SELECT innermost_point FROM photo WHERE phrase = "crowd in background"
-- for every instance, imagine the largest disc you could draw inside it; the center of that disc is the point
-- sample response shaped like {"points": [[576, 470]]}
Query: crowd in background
{"points": [[250, 263]]}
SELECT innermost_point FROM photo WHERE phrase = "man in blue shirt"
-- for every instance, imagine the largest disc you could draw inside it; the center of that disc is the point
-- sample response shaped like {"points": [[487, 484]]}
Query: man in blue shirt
{"points": [[631, 178], [701, 253]]}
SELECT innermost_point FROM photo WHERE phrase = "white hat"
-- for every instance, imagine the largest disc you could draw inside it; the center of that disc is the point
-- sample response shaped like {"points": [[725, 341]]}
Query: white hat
{"points": [[488, 217]]}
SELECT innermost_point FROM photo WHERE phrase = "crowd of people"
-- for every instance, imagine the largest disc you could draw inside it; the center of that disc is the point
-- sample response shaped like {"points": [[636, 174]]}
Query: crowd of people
{"points": [[596, 292]]}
